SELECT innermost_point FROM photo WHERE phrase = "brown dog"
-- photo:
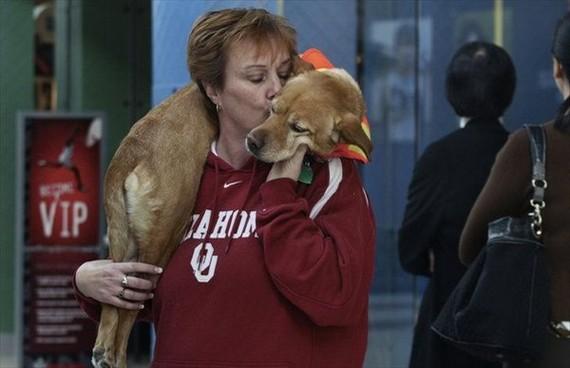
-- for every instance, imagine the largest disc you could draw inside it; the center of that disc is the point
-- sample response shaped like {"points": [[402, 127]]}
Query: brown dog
{"points": [[319, 109], [150, 190]]}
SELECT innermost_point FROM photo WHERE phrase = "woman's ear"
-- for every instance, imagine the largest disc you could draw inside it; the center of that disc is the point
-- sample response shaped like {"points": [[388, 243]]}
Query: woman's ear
{"points": [[560, 78], [557, 69], [212, 93]]}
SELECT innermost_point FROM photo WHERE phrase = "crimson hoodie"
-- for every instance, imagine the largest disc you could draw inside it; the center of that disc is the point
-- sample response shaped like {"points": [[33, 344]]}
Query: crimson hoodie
{"points": [[268, 275]]}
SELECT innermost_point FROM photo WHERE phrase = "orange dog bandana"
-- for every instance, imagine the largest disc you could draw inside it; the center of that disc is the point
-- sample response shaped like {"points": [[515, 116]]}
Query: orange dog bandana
{"points": [[320, 61]]}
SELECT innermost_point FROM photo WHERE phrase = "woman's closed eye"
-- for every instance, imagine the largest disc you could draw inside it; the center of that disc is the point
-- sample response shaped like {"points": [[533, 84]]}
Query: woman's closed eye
{"points": [[260, 78], [256, 79]]}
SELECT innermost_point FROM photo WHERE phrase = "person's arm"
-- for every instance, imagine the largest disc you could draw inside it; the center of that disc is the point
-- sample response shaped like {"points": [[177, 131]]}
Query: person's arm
{"points": [[423, 214], [99, 281], [505, 194], [321, 262]]}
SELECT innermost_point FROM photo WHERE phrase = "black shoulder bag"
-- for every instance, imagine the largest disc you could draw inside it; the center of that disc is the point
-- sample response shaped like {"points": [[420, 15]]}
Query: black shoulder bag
{"points": [[500, 308]]}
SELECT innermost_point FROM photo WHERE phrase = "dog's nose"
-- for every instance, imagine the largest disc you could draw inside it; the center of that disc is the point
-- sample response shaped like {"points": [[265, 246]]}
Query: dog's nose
{"points": [[253, 143]]}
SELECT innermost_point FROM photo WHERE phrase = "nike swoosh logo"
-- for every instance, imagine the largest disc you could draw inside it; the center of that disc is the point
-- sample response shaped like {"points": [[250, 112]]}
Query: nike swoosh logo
{"points": [[231, 183]]}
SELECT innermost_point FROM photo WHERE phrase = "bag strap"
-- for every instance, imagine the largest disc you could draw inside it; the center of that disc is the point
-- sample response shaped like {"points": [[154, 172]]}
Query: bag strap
{"points": [[537, 139]]}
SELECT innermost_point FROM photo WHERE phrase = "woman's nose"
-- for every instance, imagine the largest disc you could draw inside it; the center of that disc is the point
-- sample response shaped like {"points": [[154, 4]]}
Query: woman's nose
{"points": [[274, 87]]}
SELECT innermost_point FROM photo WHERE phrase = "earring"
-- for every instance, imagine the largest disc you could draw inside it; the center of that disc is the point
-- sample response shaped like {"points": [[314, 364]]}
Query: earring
{"points": [[218, 108]]}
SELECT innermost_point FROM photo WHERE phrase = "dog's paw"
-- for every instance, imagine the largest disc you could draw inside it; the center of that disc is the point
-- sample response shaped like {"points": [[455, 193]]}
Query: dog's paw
{"points": [[104, 364], [98, 359]]}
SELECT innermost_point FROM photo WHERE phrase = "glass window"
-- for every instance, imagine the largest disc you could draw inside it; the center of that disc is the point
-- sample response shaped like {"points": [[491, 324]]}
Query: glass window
{"points": [[406, 46]]}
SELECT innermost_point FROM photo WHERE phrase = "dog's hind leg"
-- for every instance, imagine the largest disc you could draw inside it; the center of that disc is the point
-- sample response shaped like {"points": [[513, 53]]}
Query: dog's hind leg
{"points": [[143, 210], [155, 225], [122, 248], [125, 324]]}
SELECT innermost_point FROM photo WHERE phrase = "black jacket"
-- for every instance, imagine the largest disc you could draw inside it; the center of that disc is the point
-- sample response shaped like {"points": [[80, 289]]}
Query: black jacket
{"points": [[446, 182]]}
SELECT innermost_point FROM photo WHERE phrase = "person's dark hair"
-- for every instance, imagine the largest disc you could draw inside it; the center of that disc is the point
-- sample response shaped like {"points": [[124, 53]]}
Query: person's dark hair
{"points": [[561, 52], [216, 31], [480, 81]]}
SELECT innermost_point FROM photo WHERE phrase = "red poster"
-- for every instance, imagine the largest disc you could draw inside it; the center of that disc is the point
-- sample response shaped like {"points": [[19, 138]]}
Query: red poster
{"points": [[55, 322], [63, 182], [62, 229]]}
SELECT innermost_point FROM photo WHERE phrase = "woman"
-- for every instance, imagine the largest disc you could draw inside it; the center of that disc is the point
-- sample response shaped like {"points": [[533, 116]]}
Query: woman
{"points": [[506, 193], [447, 179], [256, 282]]}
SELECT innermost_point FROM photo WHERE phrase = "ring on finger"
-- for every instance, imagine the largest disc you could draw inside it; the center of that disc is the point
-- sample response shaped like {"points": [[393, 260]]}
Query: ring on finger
{"points": [[124, 281], [122, 293]]}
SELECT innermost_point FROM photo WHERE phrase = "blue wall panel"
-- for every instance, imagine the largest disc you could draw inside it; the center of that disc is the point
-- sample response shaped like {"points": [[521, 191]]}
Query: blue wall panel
{"points": [[171, 24], [329, 25]]}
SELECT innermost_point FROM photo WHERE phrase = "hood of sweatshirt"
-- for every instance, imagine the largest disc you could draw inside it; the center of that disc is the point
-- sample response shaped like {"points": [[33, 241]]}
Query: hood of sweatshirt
{"points": [[220, 177]]}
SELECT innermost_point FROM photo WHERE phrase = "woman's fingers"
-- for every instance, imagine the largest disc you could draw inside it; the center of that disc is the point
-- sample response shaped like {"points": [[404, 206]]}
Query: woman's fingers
{"points": [[134, 282], [289, 168], [134, 295], [125, 304], [138, 267], [149, 272], [135, 290]]}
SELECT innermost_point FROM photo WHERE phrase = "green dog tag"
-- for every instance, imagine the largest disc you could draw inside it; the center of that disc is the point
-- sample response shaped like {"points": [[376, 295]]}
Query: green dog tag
{"points": [[306, 175]]}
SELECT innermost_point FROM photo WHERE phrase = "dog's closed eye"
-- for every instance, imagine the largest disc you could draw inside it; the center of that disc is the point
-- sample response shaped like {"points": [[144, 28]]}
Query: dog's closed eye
{"points": [[297, 127]]}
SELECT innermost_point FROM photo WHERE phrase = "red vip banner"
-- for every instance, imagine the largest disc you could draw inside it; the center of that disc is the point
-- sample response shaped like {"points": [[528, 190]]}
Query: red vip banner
{"points": [[62, 230], [63, 182], [55, 323]]}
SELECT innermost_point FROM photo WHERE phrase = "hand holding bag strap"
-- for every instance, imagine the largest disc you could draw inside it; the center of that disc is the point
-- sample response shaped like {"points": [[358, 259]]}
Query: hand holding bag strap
{"points": [[537, 139]]}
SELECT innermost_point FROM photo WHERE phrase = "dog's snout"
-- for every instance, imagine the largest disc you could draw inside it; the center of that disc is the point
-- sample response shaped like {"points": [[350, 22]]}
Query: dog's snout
{"points": [[254, 143]]}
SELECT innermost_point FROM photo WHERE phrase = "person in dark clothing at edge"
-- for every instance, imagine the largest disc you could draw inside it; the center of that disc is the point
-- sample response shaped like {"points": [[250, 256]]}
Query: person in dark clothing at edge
{"points": [[506, 193], [447, 178], [288, 266]]}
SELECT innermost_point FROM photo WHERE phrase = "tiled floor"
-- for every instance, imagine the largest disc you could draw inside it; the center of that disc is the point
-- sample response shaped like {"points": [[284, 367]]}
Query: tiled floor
{"points": [[389, 340], [390, 334]]}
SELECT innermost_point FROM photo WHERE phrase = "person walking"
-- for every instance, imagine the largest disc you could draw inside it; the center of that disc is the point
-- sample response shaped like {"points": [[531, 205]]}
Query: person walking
{"points": [[446, 181]]}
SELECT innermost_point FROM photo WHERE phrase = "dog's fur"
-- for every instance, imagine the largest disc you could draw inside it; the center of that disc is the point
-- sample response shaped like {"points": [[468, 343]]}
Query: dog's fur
{"points": [[150, 189], [319, 109]]}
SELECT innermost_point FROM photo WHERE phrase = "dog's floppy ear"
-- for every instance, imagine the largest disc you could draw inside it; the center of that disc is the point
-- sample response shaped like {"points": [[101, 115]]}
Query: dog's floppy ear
{"points": [[301, 66], [351, 132]]}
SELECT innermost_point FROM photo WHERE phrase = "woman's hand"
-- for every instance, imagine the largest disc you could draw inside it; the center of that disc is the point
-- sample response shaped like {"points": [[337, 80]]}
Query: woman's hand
{"points": [[113, 282], [290, 168]]}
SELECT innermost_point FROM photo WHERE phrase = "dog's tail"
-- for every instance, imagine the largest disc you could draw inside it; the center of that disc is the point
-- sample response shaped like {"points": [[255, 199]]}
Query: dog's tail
{"points": [[120, 237], [127, 202], [142, 208]]}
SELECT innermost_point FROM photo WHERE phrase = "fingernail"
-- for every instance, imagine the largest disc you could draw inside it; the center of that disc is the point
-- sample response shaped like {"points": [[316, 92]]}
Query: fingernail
{"points": [[158, 270], [141, 306]]}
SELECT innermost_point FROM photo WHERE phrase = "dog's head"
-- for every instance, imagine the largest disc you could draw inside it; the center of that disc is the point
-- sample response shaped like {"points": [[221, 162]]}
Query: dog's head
{"points": [[317, 108]]}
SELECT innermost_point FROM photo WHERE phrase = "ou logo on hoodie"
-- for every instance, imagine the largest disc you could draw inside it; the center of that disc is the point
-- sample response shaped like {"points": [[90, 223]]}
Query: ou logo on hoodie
{"points": [[202, 261]]}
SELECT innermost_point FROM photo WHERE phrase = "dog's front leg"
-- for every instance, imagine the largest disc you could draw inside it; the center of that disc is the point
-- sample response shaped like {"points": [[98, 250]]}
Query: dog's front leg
{"points": [[104, 350]]}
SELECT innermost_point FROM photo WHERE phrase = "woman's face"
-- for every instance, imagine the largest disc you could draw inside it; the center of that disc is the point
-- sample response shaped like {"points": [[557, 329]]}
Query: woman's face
{"points": [[252, 77]]}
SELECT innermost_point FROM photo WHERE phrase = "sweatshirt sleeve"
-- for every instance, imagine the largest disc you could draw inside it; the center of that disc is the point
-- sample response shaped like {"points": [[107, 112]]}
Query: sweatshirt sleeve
{"points": [[423, 214], [505, 194], [321, 256], [92, 307]]}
